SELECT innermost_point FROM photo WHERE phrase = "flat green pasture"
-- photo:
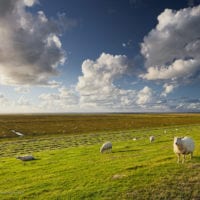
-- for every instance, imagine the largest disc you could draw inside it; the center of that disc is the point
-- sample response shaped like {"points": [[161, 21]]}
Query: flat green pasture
{"points": [[71, 166]]}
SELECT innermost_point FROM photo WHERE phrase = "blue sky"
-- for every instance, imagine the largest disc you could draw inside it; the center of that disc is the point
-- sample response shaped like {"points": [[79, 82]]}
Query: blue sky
{"points": [[99, 56]]}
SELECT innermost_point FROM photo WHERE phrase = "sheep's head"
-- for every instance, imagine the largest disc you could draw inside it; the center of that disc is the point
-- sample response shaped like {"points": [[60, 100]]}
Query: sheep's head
{"points": [[178, 141]]}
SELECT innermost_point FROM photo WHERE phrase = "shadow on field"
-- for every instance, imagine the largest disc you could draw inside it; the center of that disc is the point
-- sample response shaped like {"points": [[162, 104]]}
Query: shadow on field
{"points": [[124, 151], [27, 161], [135, 167], [196, 158]]}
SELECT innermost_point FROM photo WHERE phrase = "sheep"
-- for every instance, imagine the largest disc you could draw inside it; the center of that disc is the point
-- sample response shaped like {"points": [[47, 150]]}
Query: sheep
{"points": [[184, 145], [151, 138], [106, 147], [26, 158], [17, 133]]}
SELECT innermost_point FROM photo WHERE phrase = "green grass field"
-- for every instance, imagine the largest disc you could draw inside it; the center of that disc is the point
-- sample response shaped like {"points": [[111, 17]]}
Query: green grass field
{"points": [[68, 164]]}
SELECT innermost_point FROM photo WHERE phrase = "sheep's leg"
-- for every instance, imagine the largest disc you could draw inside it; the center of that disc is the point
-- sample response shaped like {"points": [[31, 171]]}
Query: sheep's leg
{"points": [[191, 155], [183, 158], [178, 155]]}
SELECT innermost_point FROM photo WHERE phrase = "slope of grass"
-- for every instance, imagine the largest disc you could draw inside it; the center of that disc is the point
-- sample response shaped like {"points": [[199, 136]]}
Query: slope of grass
{"points": [[134, 170]]}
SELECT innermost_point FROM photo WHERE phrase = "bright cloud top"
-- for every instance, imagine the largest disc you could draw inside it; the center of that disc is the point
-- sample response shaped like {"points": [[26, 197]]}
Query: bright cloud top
{"points": [[30, 49], [172, 49], [96, 87]]}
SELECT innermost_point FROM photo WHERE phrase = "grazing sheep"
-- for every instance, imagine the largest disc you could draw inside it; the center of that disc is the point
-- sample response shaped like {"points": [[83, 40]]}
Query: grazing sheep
{"points": [[106, 147], [183, 146], [151, 138], [26, 158]]}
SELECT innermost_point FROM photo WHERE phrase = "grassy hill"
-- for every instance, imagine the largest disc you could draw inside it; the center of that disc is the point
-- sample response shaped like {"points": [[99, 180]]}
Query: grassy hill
{"points": [[69, 166]]}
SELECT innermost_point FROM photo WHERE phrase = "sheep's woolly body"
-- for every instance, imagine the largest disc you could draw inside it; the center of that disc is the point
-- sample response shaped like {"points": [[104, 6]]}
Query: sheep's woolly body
{"points": [[183, 146], [26, 158], [106, 146], [151, 138]]}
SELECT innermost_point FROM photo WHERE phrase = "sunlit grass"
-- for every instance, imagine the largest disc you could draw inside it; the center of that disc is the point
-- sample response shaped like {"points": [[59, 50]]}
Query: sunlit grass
{"points": [[74, 168]]}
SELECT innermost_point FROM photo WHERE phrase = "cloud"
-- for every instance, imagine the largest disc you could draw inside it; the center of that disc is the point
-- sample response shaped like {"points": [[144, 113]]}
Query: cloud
{"points": [[96, 86], [53, 84], [188, 105], [30, 50], [22, 101], [124, 45], [3, 100], [101, 73], [144, 96], [127, 44], [64, 100], [180, 69], [98, 91], [171, 49], [167, 89], [22, 90]]}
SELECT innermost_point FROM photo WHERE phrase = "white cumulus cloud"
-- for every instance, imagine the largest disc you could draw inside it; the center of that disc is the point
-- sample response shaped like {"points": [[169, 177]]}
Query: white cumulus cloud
{"points": [[96, 86], [172, 49], [167, 89], [30, 45], [144, 96]]}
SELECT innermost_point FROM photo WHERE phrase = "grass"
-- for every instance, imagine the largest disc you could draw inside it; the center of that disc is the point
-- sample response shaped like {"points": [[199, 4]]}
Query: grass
{"points": [[37, 125], [69, 166]]}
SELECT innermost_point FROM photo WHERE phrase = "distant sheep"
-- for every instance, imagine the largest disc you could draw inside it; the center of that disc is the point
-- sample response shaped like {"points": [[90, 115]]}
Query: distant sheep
{"points": [[17, 133], [106, 147], [26, 158], [183, 146], [151, 138]]}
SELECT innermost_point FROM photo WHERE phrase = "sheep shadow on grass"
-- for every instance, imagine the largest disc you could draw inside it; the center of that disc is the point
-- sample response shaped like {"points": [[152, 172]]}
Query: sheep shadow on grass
{"points": [[196, 158], [125, 151]]}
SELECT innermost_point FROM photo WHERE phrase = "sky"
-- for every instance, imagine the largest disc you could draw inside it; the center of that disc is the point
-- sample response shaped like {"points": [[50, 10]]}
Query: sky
{"points": [[99, 56]]}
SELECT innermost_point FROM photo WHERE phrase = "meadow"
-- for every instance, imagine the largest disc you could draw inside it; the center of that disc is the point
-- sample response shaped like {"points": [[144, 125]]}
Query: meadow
{"points": [[69, 165]]}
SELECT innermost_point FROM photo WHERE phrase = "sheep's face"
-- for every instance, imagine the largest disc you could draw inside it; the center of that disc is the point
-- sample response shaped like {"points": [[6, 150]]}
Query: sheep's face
{"points": [[177, 141]]}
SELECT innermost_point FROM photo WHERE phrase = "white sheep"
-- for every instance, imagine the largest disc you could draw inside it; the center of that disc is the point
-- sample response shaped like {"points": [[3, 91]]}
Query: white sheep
{"points": [[106, 147], [151, 138], [183, 146], [17, 133], [26, 158]]}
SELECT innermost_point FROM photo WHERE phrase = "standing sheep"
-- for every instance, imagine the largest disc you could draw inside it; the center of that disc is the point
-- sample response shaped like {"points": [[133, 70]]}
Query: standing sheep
{"points": [[106, 147], [151, 138], [183, 146]]}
